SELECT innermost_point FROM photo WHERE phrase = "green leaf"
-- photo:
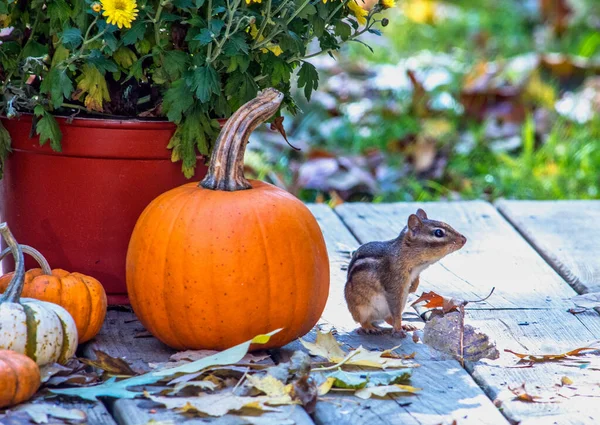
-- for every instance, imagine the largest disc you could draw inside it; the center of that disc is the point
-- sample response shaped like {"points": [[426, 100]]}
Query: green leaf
{"points": [[47, 128], [34, 49], [348, 380], [318, 26], [58, 85], [205, 37], [280, 71], [3, 8], [308, 77], [199, 3], [59, 13], [103, 64], [111, 388], [60, 54], [135, 33], [238, 62], [343, 30], [205, 82], [71, 38], [357, 380], [216, 25], [240, 87], [177, 100], [308, 10], [236, 45], [111, 42], [183, 4], [175, 63]]}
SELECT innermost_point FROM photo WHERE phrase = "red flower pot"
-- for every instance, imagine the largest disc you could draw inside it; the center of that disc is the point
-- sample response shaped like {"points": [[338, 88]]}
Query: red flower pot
{"points": [[79, 206]]}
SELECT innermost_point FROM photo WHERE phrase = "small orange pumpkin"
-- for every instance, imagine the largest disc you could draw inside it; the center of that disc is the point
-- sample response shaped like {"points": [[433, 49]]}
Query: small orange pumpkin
{"points": [[19, 378], [211, 265], [82, 296]]}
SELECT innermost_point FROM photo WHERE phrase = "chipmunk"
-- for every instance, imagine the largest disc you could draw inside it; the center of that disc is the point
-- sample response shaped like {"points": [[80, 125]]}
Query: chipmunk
{"points": [[381, 274]]}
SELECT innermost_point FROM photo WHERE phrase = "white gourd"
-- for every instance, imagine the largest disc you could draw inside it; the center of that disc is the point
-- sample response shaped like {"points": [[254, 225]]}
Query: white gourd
{"points": [[44, 331]]}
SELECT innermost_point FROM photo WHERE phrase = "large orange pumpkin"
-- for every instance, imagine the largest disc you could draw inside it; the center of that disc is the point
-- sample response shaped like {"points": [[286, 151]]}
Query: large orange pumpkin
{"points": [[211, 265], [82, 296], [19, 378]]}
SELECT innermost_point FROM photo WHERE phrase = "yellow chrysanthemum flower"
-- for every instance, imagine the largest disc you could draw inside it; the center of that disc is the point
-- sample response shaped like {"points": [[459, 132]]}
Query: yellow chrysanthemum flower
{"points": [[272, 47], [120, 12], [96, 7], [388, 4], [253, 1], [358, 11]]}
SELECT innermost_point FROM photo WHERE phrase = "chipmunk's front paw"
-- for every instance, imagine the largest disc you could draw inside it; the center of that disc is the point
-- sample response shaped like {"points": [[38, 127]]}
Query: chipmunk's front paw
{"points": [[369, 331], [409, 328]]}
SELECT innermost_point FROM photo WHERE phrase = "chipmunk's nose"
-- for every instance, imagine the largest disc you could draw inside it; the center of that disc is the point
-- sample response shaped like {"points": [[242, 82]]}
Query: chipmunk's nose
{"points": [[463, 240]]}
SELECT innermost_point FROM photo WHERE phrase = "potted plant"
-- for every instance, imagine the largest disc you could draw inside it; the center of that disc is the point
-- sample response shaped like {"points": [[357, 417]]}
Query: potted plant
{"points": [[106, 104]]}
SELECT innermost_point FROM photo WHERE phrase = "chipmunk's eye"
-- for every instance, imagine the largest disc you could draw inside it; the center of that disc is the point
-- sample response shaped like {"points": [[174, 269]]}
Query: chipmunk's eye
{"points": [[439, 233]]}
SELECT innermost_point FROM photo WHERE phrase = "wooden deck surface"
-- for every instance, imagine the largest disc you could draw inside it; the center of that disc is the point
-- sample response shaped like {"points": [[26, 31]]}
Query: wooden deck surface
{"points": [[537, 255]]}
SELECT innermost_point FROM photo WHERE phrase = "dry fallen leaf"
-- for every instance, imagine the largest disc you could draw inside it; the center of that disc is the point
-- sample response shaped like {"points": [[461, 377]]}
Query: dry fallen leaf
{"points": [[522, 395], [73, 373], [111, 365], [39, 413], [433, 300], [327, 346], [382, 391], [552, 357], [203, 385], [277, 391], [193, 355], [213, 404]]}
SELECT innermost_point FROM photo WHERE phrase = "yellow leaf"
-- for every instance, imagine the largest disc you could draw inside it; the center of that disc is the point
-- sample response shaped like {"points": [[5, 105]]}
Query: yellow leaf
{"points": [[277, 391], [263, 339], [92, 84], [326, 386], [325, 346], [124, 57], [364, 357], [382, 391], [565, 380]]}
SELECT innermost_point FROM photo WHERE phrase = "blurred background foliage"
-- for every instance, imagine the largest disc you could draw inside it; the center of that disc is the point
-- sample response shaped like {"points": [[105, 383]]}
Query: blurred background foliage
{"points": [[475, 99]]}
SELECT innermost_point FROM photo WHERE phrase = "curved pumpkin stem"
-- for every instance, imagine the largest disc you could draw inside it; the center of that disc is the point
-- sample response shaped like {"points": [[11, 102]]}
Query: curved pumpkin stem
{"points": [[15, 287], [226, 169], [37, 256]]}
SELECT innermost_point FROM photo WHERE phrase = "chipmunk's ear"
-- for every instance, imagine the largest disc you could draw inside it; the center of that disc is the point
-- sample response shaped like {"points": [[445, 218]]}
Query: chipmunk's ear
{"points": [[421, 214], [414, 224]]}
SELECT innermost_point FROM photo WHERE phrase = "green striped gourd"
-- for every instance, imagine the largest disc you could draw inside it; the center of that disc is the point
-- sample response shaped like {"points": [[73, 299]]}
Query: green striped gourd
{"points": [[43, 331]]}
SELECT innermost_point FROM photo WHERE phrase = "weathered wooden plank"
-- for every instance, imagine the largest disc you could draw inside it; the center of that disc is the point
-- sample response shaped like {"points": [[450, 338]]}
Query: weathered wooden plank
{"points": [[118, 339], [564, 233], [96, 413], [495, 254], [448, 391], [538, 332]]}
